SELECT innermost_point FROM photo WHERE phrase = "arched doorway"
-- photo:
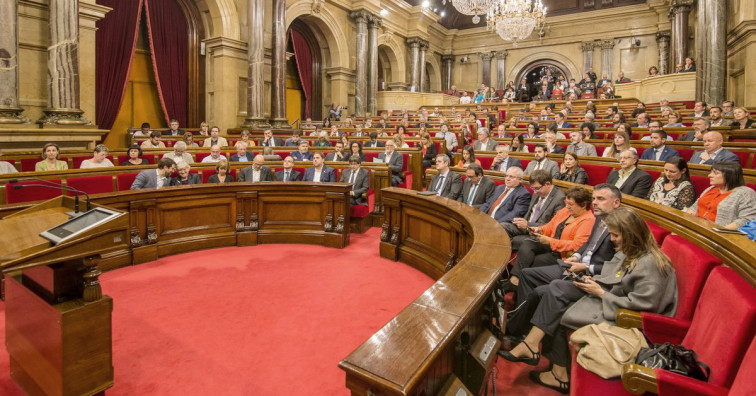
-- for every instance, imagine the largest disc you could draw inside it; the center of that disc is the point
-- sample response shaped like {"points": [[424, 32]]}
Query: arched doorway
{"points": [[314, 63], [535, 70]]}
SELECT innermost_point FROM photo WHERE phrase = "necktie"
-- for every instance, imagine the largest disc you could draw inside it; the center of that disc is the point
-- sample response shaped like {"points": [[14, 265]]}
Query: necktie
{"points": [[440, 185], [351, 178], [503, 167], [286, 176], [658, 153], [472, 194], [498, 202], [536, 210], [538, 165]]}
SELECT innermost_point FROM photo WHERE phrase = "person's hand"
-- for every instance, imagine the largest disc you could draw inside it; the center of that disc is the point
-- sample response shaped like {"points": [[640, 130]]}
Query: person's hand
{"points": [[351, 193], [571, 260], [520, 223], [705, 155], [590, 287], [577, 267], [543, 239], [563, 168]]}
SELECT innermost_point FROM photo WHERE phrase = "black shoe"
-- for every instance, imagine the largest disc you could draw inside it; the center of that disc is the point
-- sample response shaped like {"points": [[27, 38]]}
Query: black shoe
{"points": [[504, 288], [532, 361], [508, 342], [564, 387]]}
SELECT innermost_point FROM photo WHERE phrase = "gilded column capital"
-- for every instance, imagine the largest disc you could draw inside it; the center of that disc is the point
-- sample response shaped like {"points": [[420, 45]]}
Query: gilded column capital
{"points": [[486, 56], [501, 54], [587, 46], [663, 36]]}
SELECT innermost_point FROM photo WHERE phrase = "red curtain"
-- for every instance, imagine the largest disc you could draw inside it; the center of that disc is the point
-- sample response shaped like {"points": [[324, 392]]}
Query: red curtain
{"points": [[169, 44], [304, 66], [115, 41]]}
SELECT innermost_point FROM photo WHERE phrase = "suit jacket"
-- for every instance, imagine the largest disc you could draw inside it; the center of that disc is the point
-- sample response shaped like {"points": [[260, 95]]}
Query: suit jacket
{"points": [[667, 152], [277, 142], [328, 174], [546, 164], [637, 184], [221, 142], [245, 175], [291, 143], [515, 205], [235, 157], [689, 137], [332, 157], [396, 164], [214, 178], [192, 178], [554, 201], [146, 179], [360, 186], [298, 156], [377, 143], [722, 156], [558, 149], [583, 149], [452, 187], [511, 161], [430, 155], [564, 125], [604, 250], [294, 176], [489, 146], [486, 188], [179, 132]]}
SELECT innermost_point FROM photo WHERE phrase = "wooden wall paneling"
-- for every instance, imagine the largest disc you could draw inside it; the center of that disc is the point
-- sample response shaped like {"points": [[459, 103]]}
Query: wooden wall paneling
{"points": [[141, 211], [247, 219]]}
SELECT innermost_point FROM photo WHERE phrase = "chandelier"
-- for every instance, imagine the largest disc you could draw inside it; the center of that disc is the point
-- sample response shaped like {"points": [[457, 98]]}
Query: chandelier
{"points": [[515, 20], [472, 7]]}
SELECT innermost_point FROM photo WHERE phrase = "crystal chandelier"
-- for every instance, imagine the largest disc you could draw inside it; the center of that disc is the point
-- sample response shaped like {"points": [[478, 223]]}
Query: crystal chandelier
{"points": [[472, 7], [515, 20]]}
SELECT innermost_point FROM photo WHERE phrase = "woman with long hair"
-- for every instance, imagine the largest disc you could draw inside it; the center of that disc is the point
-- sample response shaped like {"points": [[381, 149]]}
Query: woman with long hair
{"points": [[620, 143], [428, 150], [355, 148], [741, 120], [517, 144], [570, 169], [532, 131], [673, 188], [468, 157], [674, 120]]}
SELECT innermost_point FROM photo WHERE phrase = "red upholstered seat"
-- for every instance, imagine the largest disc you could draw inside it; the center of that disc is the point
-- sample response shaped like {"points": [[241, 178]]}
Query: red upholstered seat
{"points": [[206, 173], [199, 156], [358, 211], [686, 153], [654, 174], [700, 183], [485, 162], [597, 174], [29, 194], [92, 184], [369, 155], [125, 180], [640, 151], [28, 164], [659, 233], [524, 163], [600, 150]]}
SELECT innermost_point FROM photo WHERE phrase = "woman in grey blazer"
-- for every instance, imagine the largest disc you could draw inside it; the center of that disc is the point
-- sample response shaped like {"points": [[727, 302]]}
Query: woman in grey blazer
{"points": [[639, 277], [739, 203]]}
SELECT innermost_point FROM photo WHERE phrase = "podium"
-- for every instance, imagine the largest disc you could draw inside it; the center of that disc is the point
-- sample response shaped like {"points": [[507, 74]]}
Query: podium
{"points": [[58, 323]]}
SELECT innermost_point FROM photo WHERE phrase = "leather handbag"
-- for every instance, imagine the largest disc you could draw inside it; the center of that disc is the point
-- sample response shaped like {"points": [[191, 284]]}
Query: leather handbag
{"points": [[674, 358], [604, 349]]}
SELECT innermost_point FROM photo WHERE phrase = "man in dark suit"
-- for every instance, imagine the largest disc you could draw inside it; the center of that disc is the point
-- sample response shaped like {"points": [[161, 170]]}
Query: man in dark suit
{"points": [[560, 121], [271, 141], [359, 179], [338, 154], [546, 201], [155, 178], [319, 171], [294, 140], [394, 161], [287, 173], [241, 153], [509, 200], [503, 161], [658, 150], [713, 151], [257, 172], [303, 154], [629, 179], [551, 143], [174, 129], [373, 142], [700, 127], [477, 188], [446, 183]]}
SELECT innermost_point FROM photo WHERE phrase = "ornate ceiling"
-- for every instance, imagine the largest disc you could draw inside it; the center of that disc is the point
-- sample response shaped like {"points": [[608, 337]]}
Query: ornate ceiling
{"points": [[452, 19]]}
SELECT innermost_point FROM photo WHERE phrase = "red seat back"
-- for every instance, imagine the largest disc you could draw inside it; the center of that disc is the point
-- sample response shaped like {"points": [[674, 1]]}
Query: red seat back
{"points": [[91, 184], [125, 180], [485, 162], [597, 174], [692, 266], [29, 194], [745, 381], [199, 156], [700, 183], [685, 153], [600, 150], [658, 232]]}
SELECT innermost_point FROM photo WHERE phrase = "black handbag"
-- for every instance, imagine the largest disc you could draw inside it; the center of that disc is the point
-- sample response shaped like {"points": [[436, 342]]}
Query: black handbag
{"points": [[674, 358]]}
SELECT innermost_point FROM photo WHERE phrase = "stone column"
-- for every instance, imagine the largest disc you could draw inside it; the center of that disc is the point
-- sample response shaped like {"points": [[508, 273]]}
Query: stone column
{"points": [[446, 77], [278, 82], [587, 56], [501, 69], [414, 46], [256, 66], [360, 71], [486, 58], [606, 57], [63, 100], [424, 45], [10, 111], [711, 55], [372, 58], [662, 41], [681, 9]]}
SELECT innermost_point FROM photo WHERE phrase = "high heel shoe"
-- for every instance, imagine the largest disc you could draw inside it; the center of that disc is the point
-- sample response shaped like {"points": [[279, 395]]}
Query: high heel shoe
{"points": [[563, 387], [533, 360]]}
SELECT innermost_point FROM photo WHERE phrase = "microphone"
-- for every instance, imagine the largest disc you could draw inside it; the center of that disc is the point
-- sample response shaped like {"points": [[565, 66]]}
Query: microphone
{"points": [[52, 185]]}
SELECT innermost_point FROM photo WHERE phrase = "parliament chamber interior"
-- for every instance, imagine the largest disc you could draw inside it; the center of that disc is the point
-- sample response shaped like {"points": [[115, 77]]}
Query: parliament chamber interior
{"points": [[378, 197]]}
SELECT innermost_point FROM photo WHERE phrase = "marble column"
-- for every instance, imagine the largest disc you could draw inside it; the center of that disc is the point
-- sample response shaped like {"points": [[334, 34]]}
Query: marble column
{"points": [[414, 50], [681, 9], [63, 100], [447, 61], [606, 56], [662, 41], [278, 82], [501, 69], [372, 58], [360, 73], [587, 56], [424, 45], [486, 67], [256, 66], [711, 55], [10, 111]]}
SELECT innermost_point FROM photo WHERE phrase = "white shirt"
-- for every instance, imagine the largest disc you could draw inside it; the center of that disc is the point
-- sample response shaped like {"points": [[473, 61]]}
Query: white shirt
{"points": [[316, 177], [210, 159], [465, 100], [255, 175], [87, 164]]}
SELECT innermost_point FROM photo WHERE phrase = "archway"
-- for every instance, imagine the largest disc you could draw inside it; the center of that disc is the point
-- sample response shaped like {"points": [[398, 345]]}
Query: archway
{"points": [[392, 56], [432, 75], [316, 66], [534, 71], [547, 58]]}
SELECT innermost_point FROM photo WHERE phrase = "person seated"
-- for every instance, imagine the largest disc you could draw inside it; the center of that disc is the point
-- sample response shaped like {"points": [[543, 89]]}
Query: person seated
{"points": [[629, 179], [374, 142], [468, 157], [560, 121], [620, 143], [358, 132], [179, 154], [503, 161], [621, 78], [689, 66], [544, 204], [428, 149], [501, 132], [241, 153], [307, 124], [741, 120], [653, 71], [334, 131], [728, 202], [319, 172], [699, 110], [257, 172], [338, 154], [99, 159], [639, 108], [269, 155], [144, 130], [639, 277], [399, 141], [484, 142], [355, 148], [222, 174], [189, 140], [477, 189], [135, 157], [155, 178], [641, 121], [509, 200], [713, 151], [215, 139], [517, 145], [619, 118], [303, 154], [215, 155], [50, 161], [293, 141], [588, 127], [570, 169], [716, 119], [173, 129], [394, 160], [673, 188], [658, 151], [246, 138], [271, 141], [540, 161], [700, 127], [6, 167], [563, 234], [550, 139], [153, 141], [184, 177], [579, 147], [323, 140], [446, 183], [359, 179], [655, 126], [587, 85], [288, 173]]}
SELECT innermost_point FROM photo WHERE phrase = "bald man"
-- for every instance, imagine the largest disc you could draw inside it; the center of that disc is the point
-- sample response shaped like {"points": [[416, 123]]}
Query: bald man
{"points": [[713, 151], [257, 172]]}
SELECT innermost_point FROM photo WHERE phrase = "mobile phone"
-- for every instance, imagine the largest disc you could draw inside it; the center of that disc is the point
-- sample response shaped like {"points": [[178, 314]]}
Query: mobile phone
{"points": [[563, 264], [577, 277]]}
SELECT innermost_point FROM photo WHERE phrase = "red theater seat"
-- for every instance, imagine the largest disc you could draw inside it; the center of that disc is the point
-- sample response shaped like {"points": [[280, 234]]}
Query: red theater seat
{"points": [[485, 162], [659, 233], [28, 164], [125, 180], [199, 156], [700, 183], [597, 174], [30, 193], [685, 153], [99, 184]]}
